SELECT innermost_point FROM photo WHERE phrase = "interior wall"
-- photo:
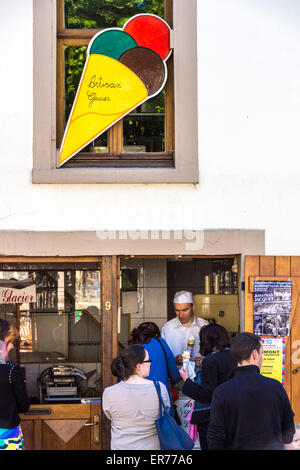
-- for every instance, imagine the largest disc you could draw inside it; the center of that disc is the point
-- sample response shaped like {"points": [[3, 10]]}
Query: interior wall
{"points": [[149, 303]]}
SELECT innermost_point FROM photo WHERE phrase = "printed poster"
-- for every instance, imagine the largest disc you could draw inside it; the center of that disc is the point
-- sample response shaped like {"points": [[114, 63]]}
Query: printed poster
{"points": [[273, 364], [272, 307]]}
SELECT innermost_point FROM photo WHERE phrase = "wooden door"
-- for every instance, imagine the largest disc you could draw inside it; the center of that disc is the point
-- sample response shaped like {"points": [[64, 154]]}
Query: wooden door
{"points": [[282, 268], [66, 427]]}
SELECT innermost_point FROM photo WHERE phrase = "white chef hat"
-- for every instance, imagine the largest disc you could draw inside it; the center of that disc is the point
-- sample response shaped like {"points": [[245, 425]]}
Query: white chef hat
{"points": [[183, 297]]}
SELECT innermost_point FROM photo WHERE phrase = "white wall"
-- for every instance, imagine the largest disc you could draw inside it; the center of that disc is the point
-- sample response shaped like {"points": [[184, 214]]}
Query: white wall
{"points": [[249, 115]]}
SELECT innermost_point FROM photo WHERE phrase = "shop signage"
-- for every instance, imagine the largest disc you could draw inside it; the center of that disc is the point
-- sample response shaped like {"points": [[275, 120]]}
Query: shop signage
{"points": [[14, 292], [124, 68]]}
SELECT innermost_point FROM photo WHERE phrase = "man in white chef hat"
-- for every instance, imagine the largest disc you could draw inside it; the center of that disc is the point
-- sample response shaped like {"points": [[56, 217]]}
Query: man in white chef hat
{"points": [[176, 332]]}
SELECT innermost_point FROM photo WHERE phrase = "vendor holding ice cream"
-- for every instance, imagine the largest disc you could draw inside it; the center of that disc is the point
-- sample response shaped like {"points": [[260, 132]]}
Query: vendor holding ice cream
{"points": [[182, 332]]}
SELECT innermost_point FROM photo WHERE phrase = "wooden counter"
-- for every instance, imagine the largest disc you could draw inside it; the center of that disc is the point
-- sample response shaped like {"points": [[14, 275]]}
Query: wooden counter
{"points": [[62, 427]]}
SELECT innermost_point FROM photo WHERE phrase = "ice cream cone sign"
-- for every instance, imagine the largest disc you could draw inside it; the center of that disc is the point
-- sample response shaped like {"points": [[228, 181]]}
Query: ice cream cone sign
{"points": [[124, 68]]}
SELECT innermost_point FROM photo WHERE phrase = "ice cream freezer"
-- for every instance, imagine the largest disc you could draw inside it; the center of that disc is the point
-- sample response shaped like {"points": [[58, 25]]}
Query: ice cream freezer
{"points": [[223, 308]]}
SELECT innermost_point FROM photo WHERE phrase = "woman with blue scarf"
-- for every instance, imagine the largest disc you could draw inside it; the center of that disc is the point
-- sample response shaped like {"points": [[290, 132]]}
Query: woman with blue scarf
{"points": [[214, 370]]}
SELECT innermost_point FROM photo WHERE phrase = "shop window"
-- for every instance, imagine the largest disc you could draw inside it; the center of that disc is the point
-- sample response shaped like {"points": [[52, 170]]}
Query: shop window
{"points": [[64, 322], [152, 135]]}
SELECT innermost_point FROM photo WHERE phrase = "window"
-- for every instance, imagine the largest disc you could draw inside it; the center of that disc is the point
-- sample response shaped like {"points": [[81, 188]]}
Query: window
{"points": [[142, 145], [145, 137], [64, 322]]}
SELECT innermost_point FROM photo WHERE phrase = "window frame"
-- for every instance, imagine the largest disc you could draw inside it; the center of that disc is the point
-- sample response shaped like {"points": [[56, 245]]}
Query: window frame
{"points": [[115, 156], [45, 152]]}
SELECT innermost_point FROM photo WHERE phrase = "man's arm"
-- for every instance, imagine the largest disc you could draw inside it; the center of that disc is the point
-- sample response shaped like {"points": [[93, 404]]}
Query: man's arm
{"points": [[172, 368], [216, 432], [209, 376]]}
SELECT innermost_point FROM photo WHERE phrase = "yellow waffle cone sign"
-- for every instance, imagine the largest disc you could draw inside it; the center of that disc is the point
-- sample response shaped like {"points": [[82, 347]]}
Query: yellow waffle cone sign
{"points": [[108, 90]]}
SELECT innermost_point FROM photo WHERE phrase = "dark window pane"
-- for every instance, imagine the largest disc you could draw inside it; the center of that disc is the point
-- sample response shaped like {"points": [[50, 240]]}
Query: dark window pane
{"points": [[98, 14], [144, 128], [75, 57], [129, 279]]}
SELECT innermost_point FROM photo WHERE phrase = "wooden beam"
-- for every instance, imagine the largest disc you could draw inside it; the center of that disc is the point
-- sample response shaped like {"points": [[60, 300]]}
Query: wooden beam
{"points": [[282, 266], [267, 266], [295, 265], [109, 336]]}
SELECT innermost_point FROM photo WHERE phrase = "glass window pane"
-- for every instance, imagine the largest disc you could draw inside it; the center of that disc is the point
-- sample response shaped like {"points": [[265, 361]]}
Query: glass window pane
{"points": [[98, 14], [144, 128], [64, 322]]}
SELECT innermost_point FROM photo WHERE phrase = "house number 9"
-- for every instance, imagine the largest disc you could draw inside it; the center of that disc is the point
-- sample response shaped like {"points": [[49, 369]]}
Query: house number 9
{"points": [[107, 305]]}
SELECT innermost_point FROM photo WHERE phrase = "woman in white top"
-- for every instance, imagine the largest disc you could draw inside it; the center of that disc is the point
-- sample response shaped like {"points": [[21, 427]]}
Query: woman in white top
{"points": [[132, 405]]}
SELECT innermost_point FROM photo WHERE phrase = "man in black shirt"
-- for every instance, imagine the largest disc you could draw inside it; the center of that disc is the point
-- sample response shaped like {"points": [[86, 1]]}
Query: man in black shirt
{"points": [[250, 411]]}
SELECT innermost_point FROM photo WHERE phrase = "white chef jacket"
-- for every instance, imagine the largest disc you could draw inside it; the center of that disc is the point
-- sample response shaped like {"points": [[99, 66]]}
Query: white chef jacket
{"points": [[177, 335]]}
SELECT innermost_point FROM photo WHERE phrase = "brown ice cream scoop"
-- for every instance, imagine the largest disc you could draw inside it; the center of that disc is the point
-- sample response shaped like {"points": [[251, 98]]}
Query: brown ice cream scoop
{"points": [[147, 65]]}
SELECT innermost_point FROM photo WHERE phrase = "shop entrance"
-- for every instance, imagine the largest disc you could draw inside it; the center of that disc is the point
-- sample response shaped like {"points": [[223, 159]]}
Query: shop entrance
{"points": [[148, 286]]}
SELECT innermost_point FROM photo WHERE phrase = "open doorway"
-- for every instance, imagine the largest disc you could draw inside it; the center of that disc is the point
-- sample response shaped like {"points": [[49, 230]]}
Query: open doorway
{"points": [[148, 286]]}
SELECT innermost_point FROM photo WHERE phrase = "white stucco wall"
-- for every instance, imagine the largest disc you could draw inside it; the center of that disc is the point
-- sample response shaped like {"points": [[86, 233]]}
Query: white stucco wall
{"points": [[249, 146]]}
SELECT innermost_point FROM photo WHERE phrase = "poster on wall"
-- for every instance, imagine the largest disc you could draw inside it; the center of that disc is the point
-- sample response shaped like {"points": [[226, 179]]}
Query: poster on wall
{"points": [[273, 365], [272, 307], [124, 68]]}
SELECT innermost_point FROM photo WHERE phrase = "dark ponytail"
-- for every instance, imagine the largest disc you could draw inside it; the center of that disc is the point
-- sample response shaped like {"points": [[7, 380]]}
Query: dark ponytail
{"points": [[213, 336], [144, 332], [124, 365]]}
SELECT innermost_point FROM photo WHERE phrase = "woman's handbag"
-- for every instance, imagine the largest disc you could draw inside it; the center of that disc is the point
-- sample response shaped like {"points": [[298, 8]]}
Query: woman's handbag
{"points": [[171, 436], [176, 415]]}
